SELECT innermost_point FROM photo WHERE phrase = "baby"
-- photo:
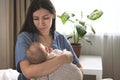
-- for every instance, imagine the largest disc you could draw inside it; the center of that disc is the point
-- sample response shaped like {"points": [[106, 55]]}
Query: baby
{"points": [[38, 53]]}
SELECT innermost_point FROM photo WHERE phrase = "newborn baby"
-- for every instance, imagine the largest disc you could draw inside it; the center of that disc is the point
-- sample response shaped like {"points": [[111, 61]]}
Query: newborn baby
{"points": [[37, 53]]}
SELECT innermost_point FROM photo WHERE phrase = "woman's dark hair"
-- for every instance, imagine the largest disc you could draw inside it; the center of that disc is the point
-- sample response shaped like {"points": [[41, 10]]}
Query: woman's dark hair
{"points": [[28, 25]]}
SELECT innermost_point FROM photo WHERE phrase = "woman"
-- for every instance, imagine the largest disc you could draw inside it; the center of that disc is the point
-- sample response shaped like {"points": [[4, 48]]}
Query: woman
{"points": [[39, 26]]}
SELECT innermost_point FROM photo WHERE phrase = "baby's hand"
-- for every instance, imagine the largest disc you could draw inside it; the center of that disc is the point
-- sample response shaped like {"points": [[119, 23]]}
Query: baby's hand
{"points": [[48, 49]]}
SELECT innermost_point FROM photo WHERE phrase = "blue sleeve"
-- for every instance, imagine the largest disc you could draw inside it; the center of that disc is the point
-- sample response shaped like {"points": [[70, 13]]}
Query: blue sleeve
{"points": [[67, 45], [22, 43], [69, 48]]}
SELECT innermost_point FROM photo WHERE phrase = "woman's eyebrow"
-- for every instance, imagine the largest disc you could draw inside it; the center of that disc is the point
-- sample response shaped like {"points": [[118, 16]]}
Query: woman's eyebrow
{"points": [[46, 14], [43, 15]]}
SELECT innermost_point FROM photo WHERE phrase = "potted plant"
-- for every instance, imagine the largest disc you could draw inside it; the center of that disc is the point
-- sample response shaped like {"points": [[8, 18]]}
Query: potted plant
{"points": [[80, 26]]}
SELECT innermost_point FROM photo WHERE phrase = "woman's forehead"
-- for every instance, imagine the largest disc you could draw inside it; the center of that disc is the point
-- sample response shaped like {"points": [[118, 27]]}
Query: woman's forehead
{"points": [[41, 12]]}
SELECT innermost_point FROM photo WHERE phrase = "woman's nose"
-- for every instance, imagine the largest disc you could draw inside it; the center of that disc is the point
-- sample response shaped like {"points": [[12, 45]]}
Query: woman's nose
{"points": [[41, 22]]}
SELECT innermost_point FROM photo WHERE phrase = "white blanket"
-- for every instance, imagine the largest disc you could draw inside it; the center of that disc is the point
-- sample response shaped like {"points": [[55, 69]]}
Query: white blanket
{"points": [[8, 74]]}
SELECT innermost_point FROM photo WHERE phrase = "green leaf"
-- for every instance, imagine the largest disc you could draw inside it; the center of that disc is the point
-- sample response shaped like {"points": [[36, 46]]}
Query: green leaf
{"points": [[95, 15], [82, 23], [64, 17], [81, 31], [90, 42], [92, 29], [69, 37]]}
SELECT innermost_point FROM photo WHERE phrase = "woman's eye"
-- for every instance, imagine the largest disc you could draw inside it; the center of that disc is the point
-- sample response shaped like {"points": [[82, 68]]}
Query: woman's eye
{"points": [[35, 19], [46, 18]]}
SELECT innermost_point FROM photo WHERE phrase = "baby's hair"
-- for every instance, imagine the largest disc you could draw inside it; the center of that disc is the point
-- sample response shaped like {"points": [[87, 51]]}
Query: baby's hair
{"points": [[35, 53]]}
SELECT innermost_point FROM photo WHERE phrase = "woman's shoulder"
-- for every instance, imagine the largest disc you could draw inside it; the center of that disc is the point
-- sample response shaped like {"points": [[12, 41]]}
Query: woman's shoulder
{"points": [[27, 35], [58, 34]]}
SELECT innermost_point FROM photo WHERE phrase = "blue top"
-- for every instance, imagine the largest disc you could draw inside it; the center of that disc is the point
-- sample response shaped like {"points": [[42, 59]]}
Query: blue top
{"points": [[25, 39]]}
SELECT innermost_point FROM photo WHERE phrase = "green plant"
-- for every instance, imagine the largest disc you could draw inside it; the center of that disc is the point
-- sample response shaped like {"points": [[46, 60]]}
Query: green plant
{"points": [[80, 26]]}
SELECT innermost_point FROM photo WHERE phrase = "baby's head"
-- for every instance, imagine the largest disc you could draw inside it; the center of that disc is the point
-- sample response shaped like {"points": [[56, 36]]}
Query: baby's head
{"points": [[36, 53]]}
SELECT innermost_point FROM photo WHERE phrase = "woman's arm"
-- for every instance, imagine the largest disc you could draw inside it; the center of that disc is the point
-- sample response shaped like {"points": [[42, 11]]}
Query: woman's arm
{"points": [[80, 67], [45, 68]]}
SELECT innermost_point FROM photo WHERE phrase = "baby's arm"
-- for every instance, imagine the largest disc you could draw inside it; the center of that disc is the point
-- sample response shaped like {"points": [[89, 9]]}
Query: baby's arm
{"points": [[53, 53], [57, 52]]}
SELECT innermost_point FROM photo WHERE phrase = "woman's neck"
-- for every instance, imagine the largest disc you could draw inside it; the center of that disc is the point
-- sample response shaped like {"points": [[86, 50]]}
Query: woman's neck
{"points": [[46, 39], [45, 34]]}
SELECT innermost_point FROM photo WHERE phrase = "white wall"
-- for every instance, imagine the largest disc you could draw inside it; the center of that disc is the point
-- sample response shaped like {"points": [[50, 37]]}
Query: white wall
{"points": [[108, 23]]}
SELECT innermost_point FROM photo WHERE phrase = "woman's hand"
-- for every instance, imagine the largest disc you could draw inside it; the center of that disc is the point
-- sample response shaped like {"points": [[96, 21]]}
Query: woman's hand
{"points": [[69, 56], [80, 67]]}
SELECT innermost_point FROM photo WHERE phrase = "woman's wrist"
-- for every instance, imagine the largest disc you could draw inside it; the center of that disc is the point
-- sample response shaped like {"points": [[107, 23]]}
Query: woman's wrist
{"points": [[68, 57]]}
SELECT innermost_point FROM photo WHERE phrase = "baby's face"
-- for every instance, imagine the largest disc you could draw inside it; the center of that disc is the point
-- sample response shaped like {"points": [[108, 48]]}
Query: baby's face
{"points": [[47, 50], [44, 48]]}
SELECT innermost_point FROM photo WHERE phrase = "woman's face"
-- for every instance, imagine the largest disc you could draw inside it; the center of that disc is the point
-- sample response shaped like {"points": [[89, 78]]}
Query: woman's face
{"points": [[42, 19]]}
